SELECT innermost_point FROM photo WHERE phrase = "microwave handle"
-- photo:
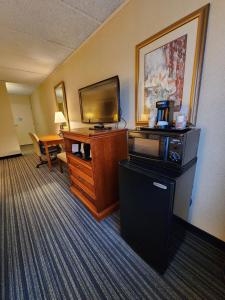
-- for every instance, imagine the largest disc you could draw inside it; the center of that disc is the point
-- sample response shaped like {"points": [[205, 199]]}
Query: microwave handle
{"points": [[166, 147]]}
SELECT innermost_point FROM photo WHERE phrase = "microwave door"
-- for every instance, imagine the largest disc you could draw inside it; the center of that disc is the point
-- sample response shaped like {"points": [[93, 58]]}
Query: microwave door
{"points": [[152, 148]]}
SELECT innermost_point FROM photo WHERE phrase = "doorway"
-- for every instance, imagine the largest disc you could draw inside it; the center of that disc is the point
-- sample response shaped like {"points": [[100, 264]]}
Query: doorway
{"points": [[23, 121]]}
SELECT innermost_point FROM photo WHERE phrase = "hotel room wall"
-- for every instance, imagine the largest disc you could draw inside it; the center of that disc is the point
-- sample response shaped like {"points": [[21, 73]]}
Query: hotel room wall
{"points": [[111, 51], [9, 144]]}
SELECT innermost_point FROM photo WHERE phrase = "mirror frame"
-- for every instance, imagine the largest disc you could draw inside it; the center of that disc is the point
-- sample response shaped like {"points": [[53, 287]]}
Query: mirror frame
{"points": [[66, 115]]}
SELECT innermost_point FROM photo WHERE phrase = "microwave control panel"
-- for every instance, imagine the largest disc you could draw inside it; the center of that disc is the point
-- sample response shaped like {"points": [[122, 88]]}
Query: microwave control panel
{"points": [[175, 149]]}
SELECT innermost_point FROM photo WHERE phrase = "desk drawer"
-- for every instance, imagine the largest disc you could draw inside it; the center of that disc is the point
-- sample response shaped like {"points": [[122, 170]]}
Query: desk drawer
{"points": [[80, 165]]}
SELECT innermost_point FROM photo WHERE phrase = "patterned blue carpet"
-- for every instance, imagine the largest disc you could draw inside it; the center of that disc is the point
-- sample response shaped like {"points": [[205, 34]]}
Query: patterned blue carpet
{"points": [[52, 248]]}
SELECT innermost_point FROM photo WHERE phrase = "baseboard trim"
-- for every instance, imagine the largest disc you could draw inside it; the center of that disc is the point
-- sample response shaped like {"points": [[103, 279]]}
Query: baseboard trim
{"points": [[201, 233], [10, 156]]}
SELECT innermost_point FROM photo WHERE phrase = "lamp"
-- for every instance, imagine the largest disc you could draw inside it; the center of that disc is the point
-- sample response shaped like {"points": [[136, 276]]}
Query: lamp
{"points": [[59, 119]]}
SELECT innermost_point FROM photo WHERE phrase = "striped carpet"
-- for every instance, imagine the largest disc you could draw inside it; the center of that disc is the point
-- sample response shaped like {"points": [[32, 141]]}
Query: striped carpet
{"points": [[52, 248]]}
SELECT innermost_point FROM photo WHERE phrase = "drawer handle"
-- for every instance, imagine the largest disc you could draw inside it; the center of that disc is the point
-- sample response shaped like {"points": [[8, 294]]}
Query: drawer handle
{"points": [[79, 178], [160, 185]]}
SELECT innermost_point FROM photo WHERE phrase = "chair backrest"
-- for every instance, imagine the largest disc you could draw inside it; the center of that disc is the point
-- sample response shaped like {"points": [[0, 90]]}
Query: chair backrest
{"points": [[35, 141]]}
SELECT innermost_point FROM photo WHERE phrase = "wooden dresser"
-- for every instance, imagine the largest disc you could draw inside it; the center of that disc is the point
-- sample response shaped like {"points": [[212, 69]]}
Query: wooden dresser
{"points": [[95, 181]]}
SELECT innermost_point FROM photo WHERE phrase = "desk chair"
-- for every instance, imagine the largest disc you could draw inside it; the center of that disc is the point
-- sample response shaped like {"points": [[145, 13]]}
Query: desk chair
{"points": [[39, 150]]}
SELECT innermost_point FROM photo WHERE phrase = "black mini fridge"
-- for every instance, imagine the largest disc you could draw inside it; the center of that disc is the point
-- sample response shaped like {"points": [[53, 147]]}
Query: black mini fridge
{"points": [[148, 200]]}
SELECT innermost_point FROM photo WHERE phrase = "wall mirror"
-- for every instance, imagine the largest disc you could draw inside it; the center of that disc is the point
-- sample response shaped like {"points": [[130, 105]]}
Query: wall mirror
{"points": [[61, 103]]}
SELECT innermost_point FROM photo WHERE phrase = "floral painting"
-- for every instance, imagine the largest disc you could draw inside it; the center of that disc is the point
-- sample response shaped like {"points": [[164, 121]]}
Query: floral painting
{"points": [[168, 66], [164, 74]]}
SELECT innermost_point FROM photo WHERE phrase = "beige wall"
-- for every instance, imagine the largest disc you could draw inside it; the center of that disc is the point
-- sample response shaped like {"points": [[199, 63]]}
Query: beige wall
{"points": [[22, 116], [111, 51], [8, 139]]}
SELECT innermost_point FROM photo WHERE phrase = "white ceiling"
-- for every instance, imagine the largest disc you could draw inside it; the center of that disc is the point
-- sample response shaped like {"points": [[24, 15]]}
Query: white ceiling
{"points": [[37, 35], [20, 88]]}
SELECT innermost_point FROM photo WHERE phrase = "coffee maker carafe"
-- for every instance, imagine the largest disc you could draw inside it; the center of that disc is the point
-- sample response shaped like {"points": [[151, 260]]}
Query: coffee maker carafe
{"points": [[164, 113]]}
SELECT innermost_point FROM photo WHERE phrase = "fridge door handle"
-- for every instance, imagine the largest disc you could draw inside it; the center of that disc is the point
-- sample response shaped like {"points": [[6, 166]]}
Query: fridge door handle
{"points": [[160, 185]]}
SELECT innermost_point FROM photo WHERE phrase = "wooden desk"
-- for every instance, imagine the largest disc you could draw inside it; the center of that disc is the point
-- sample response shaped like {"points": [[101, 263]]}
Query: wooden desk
{"points": [[49, 140]]}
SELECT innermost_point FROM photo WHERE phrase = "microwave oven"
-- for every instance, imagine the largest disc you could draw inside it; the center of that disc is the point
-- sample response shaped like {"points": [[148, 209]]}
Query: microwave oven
{"points": [[167, 148]]}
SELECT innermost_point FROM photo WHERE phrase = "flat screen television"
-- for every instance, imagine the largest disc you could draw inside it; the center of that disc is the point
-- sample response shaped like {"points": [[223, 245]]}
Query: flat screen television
{"points": [[100, 102]]}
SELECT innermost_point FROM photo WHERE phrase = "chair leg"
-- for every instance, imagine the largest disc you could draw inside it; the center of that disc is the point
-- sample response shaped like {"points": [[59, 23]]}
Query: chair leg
{"points": [[60, 165], [42, 162]]}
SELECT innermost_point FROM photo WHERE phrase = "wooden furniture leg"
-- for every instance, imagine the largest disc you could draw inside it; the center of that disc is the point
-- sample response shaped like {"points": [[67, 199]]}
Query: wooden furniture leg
{"points": [[60, 165], [48, 157]]}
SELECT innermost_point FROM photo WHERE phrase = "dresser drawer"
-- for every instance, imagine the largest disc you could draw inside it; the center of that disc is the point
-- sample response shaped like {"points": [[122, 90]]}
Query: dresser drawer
{"points": [[78, 164], [79, 173], [83, 197], [89, 196], [84, 179], [83, 187]]}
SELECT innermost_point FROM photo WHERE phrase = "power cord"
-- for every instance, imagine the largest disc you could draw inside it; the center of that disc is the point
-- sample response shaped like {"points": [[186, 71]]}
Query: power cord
{"points": [[125, 122]]}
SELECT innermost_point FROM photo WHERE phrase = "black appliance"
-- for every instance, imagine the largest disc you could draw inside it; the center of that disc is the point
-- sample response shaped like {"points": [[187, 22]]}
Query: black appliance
{"points": [[155, 184], [163, 148], [100, 102], [165, 112], [148, 200], [87, 151]]}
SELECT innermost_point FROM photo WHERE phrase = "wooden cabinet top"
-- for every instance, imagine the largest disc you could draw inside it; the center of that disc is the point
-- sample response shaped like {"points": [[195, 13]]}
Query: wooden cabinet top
{"points": [[91, 133]]}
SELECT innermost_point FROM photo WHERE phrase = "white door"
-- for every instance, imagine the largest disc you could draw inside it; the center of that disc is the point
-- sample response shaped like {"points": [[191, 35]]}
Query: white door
{"points": [[23, 119]]}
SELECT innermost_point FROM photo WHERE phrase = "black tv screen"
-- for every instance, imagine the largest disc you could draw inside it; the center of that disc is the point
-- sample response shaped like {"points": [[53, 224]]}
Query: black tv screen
{"points": [[99, 102]]}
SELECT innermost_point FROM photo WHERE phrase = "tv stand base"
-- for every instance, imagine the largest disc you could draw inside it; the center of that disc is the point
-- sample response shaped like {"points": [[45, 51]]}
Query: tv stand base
{"points": [[100, 127], [95, 181]]}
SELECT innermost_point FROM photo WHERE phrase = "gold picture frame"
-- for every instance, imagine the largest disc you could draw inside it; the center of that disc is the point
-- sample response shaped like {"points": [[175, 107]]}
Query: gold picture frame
{"points": [[61, 101], [192, 26]]}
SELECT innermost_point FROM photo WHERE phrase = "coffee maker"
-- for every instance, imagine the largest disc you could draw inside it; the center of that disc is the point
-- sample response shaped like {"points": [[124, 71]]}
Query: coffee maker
{"points": [[164, 114]]}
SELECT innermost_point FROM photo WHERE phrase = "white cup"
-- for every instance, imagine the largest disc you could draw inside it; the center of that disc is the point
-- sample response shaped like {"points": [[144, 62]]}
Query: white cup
{"points": [[162, 123], [180, 122]]}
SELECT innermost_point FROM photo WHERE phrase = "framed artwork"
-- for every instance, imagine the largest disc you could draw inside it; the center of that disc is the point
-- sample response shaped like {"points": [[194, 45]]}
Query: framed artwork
{"points": [[169, 65]]}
